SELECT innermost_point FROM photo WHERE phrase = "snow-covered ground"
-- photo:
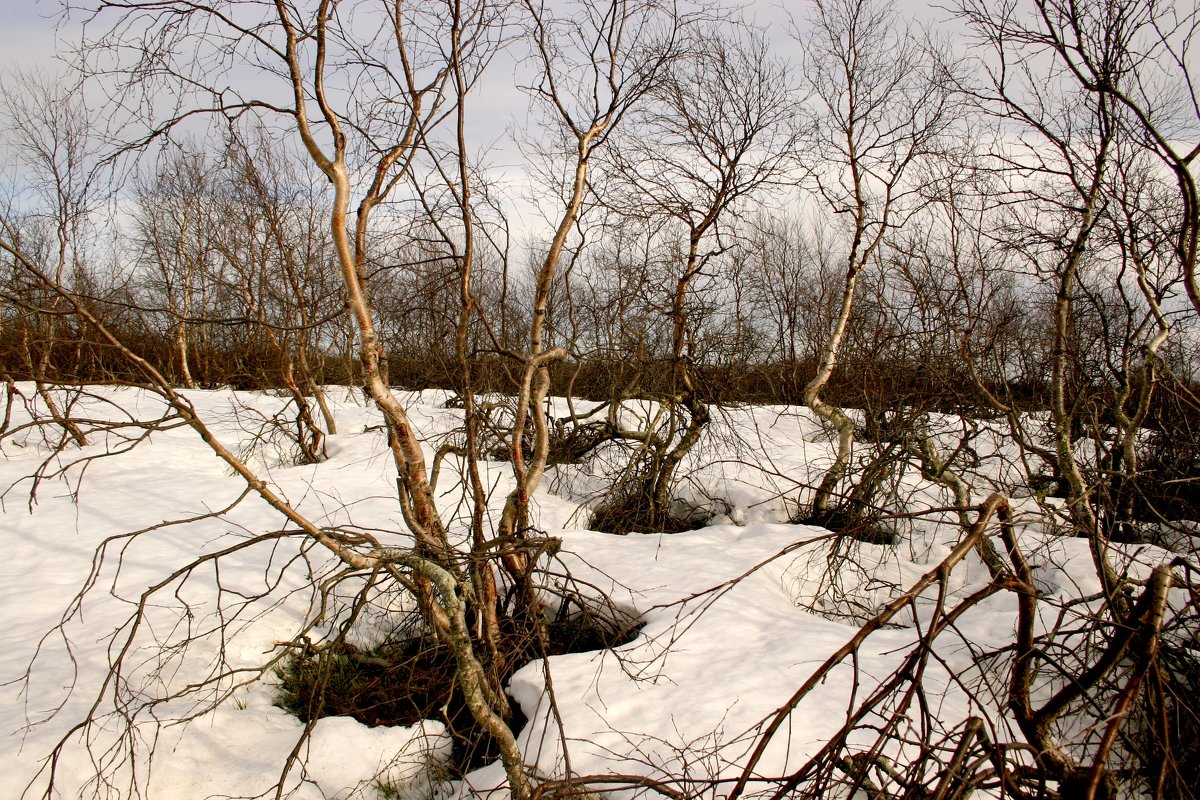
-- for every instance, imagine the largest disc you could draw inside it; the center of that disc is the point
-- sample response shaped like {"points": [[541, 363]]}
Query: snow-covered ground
{"points": [[92, 544]]}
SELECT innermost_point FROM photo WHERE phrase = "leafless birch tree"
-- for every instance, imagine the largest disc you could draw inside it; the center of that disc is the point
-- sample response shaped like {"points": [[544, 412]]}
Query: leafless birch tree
{"points": [[884, 104]]}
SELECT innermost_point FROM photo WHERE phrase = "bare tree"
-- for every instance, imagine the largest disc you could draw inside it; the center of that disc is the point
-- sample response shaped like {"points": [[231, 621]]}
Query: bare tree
{"points": [[883, 106], [594, 72], [364, 142], [716, 132], [170, 225], [367, 105], [50, 127]]}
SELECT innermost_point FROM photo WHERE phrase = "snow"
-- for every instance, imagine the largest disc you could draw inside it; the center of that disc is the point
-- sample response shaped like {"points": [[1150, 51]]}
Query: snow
{"points": [[736, 615]]}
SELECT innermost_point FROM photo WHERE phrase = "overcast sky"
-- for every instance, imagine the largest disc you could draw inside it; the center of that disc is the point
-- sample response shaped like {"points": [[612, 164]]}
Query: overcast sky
{"points": [[33, 33], [27, 36], [27, 27]]}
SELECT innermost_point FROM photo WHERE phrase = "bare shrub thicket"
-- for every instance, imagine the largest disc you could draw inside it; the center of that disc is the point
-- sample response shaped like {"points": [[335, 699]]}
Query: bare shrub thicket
{"points": [[975, 268]]}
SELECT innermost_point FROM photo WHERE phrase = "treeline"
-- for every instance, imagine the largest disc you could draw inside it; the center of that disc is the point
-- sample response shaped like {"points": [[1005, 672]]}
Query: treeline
{"points": [[219, 271]]}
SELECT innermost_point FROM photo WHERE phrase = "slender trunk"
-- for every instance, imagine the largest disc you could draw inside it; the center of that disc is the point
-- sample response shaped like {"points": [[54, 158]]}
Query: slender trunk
{"points": [[312, 386], [181, 352], [684, 384], [935, 468], [421, 511], [1062, 415], [326, 412], [70, 428], [45, 360], [830, 413], [184, 312], [483, 578], [535, 381]]}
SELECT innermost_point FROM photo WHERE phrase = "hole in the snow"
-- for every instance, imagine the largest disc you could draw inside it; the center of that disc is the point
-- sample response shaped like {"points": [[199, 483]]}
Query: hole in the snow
{"points": [[401, 683]]}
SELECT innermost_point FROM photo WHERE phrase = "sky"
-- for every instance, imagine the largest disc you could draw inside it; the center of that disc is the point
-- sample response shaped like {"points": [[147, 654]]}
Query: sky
{"points": [[28, 38], [35, 36], [27, 35]]}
